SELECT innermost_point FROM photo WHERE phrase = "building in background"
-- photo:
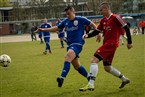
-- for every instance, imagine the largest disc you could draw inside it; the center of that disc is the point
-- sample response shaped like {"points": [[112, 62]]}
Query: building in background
{"points": [[5, 8], [18, 10], [16, 16]]}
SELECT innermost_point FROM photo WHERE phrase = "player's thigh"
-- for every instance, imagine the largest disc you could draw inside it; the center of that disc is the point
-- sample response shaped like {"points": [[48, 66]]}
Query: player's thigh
{"points": [[95, 59], [76, 48], [61, 38], [76, 63], [70, 55], [47, 40], [105, 52]]}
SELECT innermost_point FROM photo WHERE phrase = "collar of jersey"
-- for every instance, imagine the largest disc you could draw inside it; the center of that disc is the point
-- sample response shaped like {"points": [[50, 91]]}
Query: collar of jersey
{"points": [[109, 16], [73, 19]]}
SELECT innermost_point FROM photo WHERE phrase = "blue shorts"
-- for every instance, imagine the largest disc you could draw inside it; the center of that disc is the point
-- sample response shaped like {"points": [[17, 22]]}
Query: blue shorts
{"points": [[47, 39], [61, 35], [76, 48], [40, 36]]}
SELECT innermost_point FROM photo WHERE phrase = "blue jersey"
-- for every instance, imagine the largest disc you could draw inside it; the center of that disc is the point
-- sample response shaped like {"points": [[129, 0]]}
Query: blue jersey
{"points": [[74, 29], [58, 23], [45, 34]]}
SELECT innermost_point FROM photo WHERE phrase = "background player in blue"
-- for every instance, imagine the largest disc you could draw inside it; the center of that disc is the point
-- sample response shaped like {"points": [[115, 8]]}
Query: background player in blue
{"points": [[46, 36], [60, 33], [74, 26], [40, 35]]}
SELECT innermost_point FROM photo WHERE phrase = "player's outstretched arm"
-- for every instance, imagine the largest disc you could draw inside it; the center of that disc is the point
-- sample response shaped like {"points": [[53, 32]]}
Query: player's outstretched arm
{"points": [[98, 37], [92, 34], [92, 24], [52, 29], [129, 39]]}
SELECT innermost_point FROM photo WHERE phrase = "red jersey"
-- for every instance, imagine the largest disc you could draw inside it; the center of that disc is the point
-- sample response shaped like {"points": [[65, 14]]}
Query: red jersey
{"points": [[111, 29], [142, 24], [121, 31]]}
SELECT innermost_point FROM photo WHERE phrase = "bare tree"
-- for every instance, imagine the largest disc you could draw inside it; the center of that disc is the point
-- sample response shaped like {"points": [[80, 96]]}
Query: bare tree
{"points": [[47, 8]]}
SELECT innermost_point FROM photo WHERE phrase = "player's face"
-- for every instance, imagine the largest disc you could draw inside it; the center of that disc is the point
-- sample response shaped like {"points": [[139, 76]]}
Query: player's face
{"points": [[45, 21], [69, 14], [103, 10]]}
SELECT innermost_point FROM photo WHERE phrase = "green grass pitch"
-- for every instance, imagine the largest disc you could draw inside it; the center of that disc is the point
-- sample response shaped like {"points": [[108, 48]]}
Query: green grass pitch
{"points": [[32, 74]]}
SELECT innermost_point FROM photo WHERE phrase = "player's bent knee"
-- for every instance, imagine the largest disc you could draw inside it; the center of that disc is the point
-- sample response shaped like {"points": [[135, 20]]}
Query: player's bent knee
{"points": [[69, 57], [61, 39], [95, 60], [76, 63], [76, 67], [107, 68]]}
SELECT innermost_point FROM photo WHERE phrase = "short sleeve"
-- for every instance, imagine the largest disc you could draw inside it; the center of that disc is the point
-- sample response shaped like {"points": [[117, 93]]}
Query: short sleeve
{"points": [[85, 21], [62, 24], [50, 26], [120, 21], [41, 26]]}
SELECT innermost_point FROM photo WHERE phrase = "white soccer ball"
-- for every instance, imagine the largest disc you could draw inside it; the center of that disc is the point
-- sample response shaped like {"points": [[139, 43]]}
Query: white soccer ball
{"points": [[5, 60]]}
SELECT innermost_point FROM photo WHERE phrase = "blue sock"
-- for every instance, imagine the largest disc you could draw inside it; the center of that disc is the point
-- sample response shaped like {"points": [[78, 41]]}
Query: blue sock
{"points": [[65, 69], [47, 46], [62, 43], [82, 71]]}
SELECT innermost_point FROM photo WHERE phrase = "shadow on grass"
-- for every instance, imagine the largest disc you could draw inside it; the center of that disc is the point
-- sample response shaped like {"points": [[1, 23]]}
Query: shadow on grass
{"points": [[62, 94], [71, 93], [116, 93]]}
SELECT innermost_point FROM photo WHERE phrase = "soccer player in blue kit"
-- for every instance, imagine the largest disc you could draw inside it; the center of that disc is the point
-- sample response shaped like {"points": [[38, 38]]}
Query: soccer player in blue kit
{"points": [[46, 36], [40, 35], [60, 33], [74, 26]]}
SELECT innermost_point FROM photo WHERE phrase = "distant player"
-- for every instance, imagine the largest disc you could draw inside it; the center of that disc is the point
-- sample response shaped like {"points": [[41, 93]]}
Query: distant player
{"points": [[46, 36], [33, 35], [40, 35], [110, 25], [142, 25], [61, 33], [74, 26]]}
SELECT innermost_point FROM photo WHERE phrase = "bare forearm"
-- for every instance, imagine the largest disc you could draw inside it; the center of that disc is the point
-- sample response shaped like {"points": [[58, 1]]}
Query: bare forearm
{"points": [[52, 29]]}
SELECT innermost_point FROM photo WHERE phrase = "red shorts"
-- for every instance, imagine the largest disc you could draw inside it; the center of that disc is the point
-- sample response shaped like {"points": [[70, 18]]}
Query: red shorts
{"points": [[106, 52]]}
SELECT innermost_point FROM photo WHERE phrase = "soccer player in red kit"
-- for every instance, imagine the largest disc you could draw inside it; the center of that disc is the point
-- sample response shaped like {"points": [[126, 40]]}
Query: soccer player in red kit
{"points": [[109, 25]]}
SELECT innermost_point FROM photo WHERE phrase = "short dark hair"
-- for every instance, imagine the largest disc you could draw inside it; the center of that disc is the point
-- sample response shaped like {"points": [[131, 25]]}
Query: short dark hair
{"points": [[105, 3], [69, 8]]}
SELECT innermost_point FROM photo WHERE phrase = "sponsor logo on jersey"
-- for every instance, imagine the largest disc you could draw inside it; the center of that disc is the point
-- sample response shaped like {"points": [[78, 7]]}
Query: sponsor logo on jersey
{"points": [[72, 28]]}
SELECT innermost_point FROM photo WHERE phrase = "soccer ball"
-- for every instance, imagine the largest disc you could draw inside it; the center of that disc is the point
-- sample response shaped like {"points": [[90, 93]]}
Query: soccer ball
{"points": [[5, 60]]}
